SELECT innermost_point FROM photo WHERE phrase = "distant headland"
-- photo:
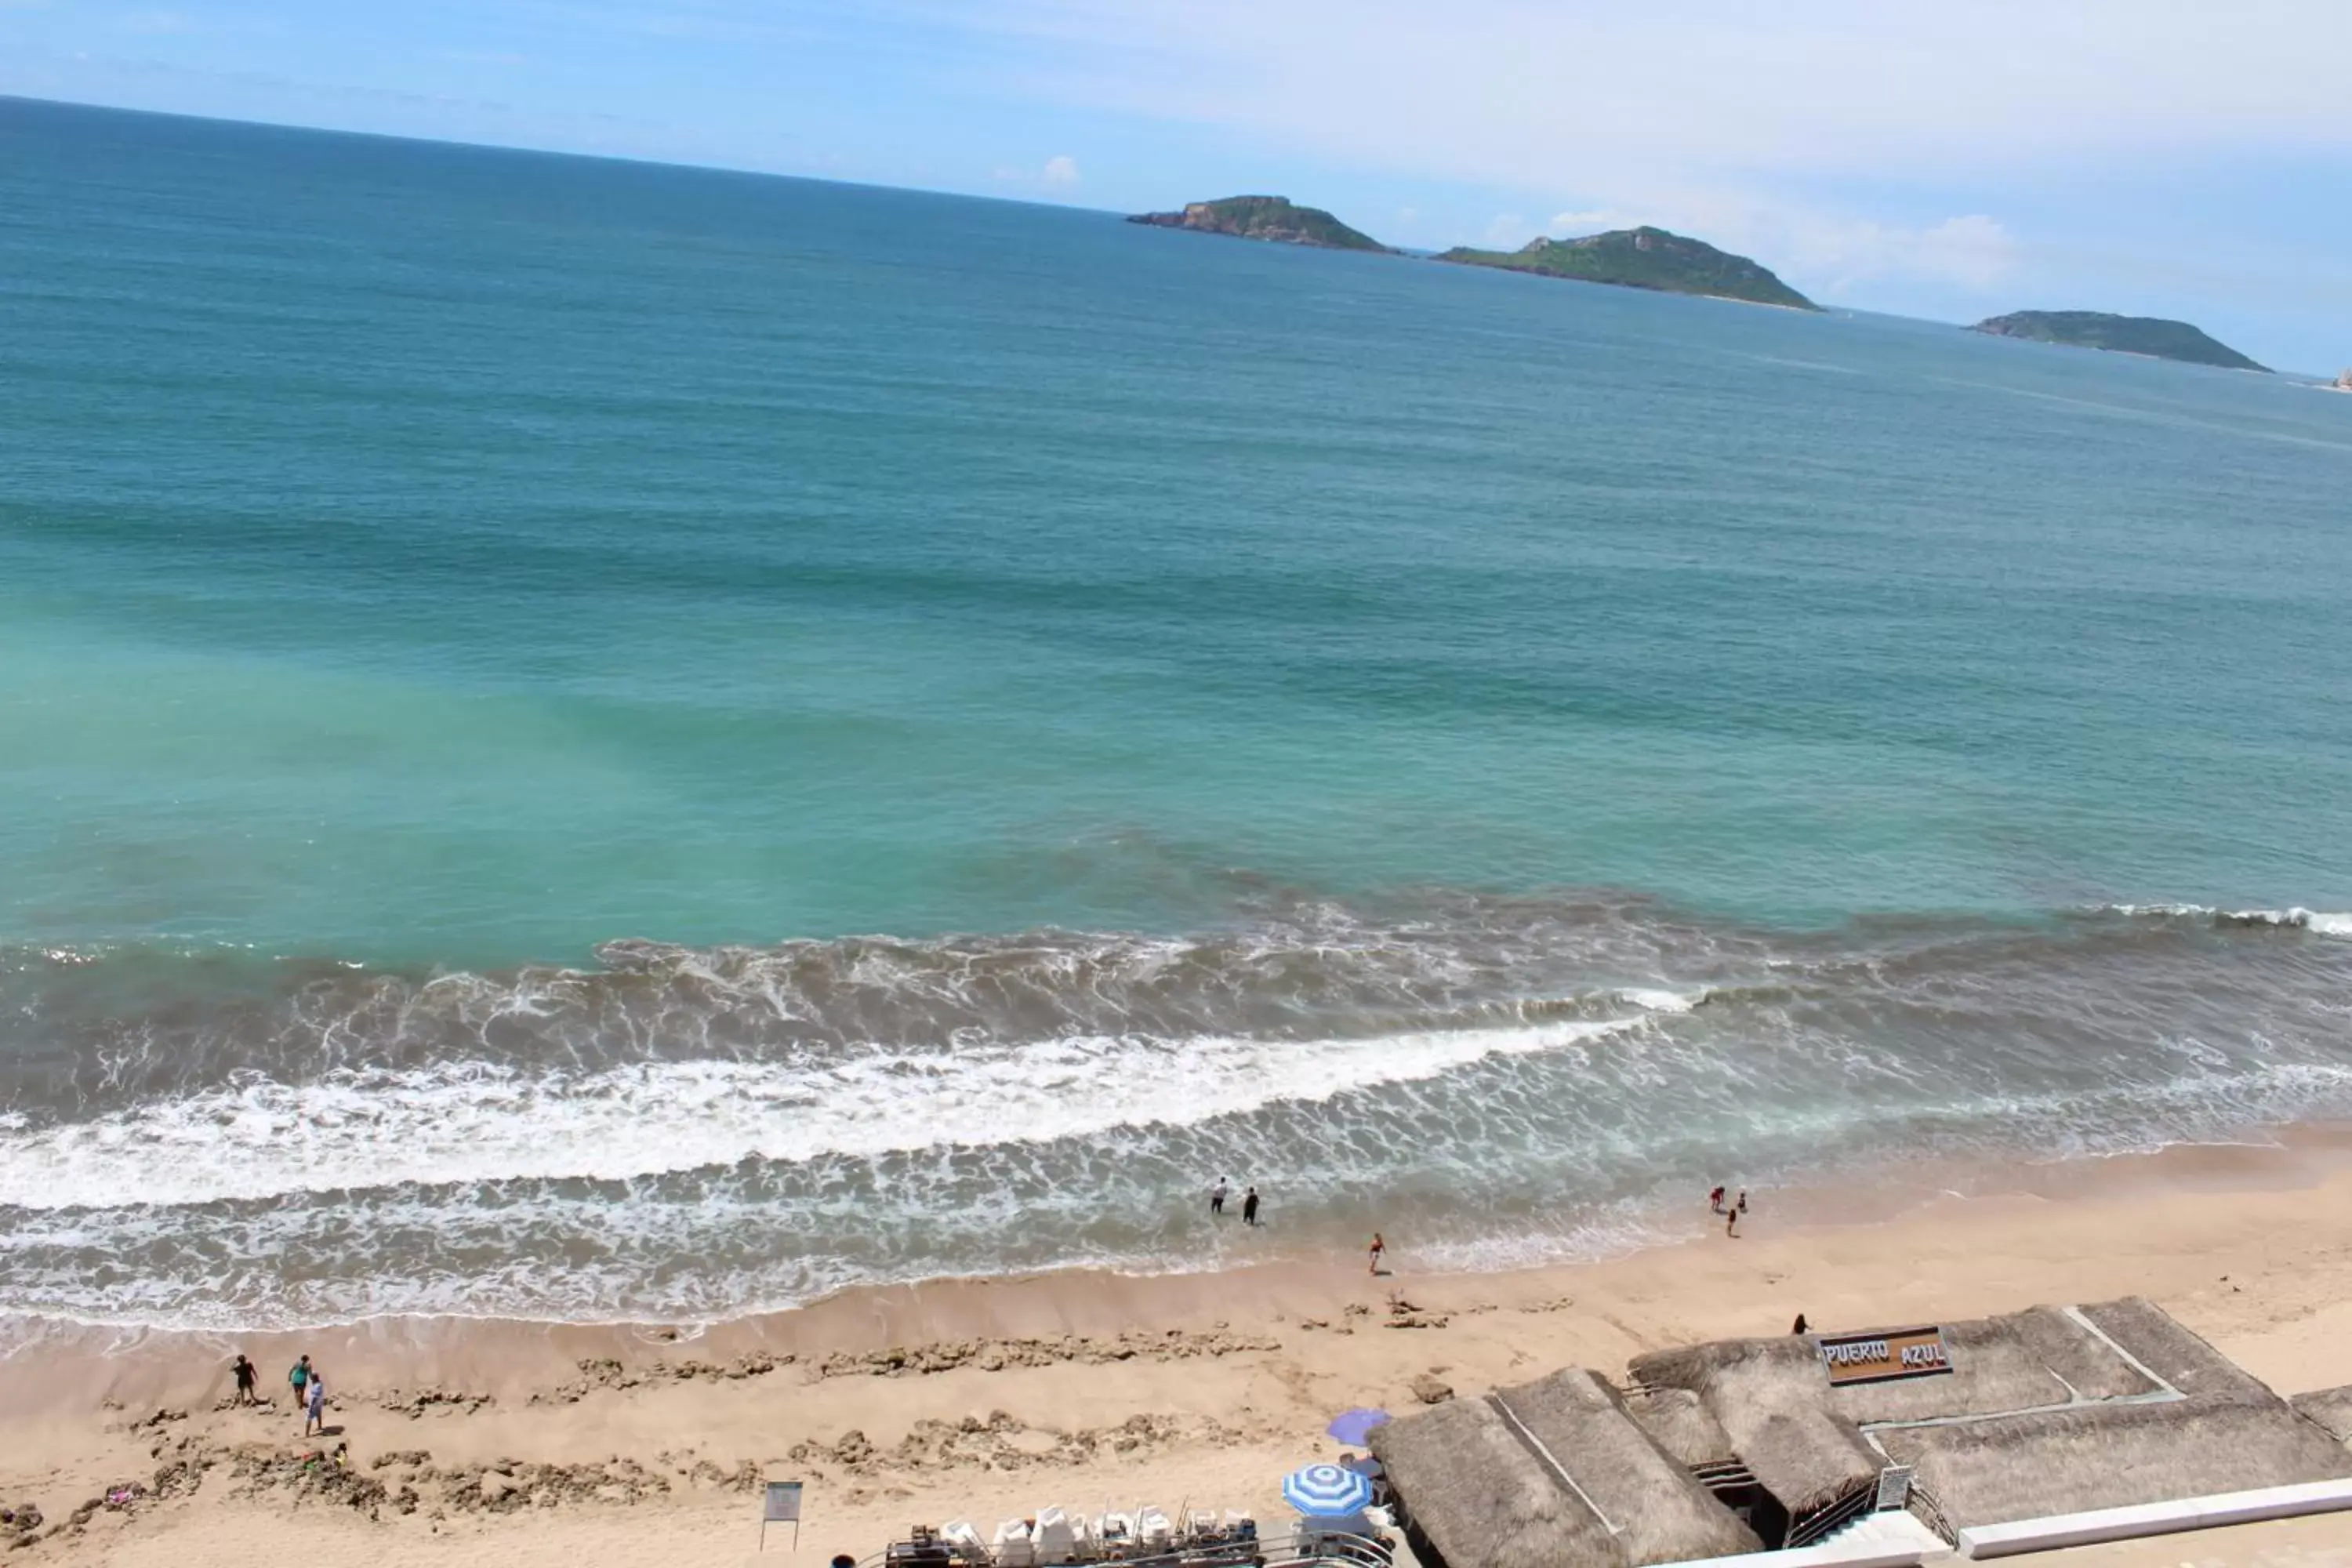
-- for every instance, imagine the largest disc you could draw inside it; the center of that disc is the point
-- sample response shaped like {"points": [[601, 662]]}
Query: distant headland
{"points": [[1274, 218], [1665, 262], [2151, 335], [1643, 258], [1630, 257]]}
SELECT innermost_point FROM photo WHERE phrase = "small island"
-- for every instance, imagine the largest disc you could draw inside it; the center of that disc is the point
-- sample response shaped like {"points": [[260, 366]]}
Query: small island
{"points": [[2149, 335], [1643, 258], [1271, 218]]}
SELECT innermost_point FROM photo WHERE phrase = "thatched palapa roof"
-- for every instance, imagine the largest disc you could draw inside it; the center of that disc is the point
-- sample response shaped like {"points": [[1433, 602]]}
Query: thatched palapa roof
{"points": [[1661, 1515], [2111, 1455], [1551, 1474], [1770, 1397], [1678, 1421], [1474, 1494], [2154, 1338], [2330, 1408], [2016, 1362]]}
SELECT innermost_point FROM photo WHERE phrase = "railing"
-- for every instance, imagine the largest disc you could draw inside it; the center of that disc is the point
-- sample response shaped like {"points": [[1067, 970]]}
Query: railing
{"points": [[1325, 1547], [1831, 1518], [1300, 1548]]}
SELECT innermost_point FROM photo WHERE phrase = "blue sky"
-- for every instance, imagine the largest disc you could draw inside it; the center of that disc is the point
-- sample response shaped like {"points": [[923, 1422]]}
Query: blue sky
{"points": [[2157, 156]]}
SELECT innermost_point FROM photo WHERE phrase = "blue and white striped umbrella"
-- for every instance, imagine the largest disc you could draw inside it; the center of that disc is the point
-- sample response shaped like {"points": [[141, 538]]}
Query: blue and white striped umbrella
{"points": [[1326, 1492]]}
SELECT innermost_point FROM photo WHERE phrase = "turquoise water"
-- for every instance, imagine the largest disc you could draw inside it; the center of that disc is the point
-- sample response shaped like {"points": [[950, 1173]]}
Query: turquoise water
{"points": [[422, 562]]}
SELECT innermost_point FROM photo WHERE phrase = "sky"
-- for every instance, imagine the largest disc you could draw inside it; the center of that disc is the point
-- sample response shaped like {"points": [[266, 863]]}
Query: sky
{"points": [[2182, 158]]}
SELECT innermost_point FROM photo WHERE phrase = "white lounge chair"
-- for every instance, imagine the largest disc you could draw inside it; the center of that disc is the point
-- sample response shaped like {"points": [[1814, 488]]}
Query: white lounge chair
{"points": [[1014, 1547], [1054, 1541]]}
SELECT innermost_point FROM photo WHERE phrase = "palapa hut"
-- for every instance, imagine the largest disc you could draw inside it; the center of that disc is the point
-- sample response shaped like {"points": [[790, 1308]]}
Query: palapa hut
{"points": [[1744, 1444], [1553, 1474], [2051, 1410]]}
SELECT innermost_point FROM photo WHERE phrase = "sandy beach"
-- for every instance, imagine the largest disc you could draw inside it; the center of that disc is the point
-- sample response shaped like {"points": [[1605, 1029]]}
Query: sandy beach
{"points": [[986, 1400]]}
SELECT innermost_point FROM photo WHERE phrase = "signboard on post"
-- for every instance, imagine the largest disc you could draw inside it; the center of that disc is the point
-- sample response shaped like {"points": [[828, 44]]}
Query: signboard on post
{"points": [[783, 1507], [1882, 1357]]}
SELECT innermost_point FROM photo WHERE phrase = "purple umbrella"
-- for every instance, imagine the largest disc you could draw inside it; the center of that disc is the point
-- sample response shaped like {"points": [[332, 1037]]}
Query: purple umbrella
{"points": [[1353, 1426]]}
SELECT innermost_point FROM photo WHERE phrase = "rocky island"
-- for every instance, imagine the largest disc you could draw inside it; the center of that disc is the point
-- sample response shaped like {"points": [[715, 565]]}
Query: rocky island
{"points": [[1265, 217], [2151, 335], [1643, 258]]}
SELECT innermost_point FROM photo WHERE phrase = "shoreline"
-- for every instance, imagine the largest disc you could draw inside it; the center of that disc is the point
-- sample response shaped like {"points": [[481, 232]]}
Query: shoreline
{"points": [[984, 1399], [1101, 1301], [1830, 1202]]}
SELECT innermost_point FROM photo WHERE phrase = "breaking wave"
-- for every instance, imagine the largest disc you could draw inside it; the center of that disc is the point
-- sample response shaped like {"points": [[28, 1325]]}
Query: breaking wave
{"points": [[677, 1133]]}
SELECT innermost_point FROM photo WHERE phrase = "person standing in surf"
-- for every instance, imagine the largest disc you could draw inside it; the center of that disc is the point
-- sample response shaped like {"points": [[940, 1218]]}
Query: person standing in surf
{"points": [[1217, 1199], [1249, 1206]]}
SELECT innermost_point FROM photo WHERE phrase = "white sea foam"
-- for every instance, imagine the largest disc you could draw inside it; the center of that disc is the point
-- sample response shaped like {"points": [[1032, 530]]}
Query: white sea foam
{"points": [[1655, 1000], [474, 1122], [2319, 922]]}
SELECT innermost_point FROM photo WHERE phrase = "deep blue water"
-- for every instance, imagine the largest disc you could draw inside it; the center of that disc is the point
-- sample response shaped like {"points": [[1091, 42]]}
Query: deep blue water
{"points": [[1321, 695]]}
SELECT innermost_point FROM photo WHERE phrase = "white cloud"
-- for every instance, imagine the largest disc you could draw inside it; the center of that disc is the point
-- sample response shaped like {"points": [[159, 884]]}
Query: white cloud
{"points": [[1580, 95], [1720, 120], [1057, 175], [1506, 231], [1974, 254]]}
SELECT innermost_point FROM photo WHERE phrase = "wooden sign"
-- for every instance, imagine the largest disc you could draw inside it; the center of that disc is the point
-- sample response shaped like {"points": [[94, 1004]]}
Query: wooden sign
{"points": [[1882, 1357]]}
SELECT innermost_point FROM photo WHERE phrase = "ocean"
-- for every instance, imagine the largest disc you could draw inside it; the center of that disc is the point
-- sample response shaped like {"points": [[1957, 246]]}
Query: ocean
{"points": [[593, 741]]}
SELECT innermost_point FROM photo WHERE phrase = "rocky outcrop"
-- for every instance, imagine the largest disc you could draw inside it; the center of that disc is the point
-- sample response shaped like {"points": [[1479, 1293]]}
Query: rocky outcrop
{"points": [[996, 1354]]}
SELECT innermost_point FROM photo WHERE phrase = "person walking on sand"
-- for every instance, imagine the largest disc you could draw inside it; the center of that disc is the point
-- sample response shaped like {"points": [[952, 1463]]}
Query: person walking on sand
{"points": [[1379, 1246], [315, 1418], [243, 1371], [1801, 1325], [1731, 1224], [1249, 1206], [300, 1375], [1217, 1199], [1715, 1201]]}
